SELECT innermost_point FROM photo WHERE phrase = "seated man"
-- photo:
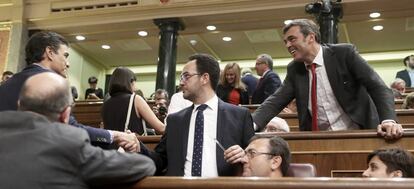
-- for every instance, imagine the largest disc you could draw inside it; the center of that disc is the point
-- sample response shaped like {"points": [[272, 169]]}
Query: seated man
{"points": [[6, 75], [266, 157], [388, 163], [408, 102], [38, 151], [277, 124], [398, 88]]}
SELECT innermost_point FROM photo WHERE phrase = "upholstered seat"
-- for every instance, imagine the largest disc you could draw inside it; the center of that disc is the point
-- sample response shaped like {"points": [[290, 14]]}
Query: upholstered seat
{"points": [[301, 170]]}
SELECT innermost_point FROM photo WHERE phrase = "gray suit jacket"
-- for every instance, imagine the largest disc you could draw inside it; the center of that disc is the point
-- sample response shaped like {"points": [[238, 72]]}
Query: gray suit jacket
{"points": [[359, 90], [35, 153], [234, 126]]}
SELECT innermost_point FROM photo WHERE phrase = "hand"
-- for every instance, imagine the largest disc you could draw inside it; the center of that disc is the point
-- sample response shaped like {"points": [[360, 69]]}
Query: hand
{"points": [[92, 96], [390, 130], [128, 141], [234, 154]]}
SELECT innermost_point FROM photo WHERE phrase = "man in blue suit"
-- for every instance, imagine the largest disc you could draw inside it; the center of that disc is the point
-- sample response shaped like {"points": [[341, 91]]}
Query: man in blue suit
{"points": [[48, 52], [210, 146], [269, 81]]}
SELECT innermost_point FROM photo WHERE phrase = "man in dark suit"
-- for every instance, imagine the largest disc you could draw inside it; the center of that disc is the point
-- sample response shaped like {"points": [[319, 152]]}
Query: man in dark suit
{"points": [[39, 151], [48, 52], [269, 81], [209, 146], [408, 74], [249, 80], [349, 94]]}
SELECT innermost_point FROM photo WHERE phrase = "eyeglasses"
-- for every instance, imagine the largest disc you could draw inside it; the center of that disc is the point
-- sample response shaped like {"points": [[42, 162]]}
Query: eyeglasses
{"points": [[253, 153], [187, 76]]}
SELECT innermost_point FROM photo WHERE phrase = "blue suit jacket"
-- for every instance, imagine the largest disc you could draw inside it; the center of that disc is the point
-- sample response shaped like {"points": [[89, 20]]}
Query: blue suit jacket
{"points": [[234, 126], [266, 86], [403, 74], [10, 90]]}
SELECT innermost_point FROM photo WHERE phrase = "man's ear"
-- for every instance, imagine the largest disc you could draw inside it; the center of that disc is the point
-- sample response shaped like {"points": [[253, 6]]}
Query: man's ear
{"points": [[65, 114], [397, 174], [49, 52], [276, 162]]}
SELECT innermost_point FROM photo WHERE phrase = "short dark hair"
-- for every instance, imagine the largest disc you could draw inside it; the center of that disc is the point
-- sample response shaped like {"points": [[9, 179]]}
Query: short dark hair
{"points": [[50, 105], [7, 73], [279, 147], [406, 59], [92, 79], [267, 59], [38, 42], [121, 80], [306, 27], [207, 64], [395, 159]]}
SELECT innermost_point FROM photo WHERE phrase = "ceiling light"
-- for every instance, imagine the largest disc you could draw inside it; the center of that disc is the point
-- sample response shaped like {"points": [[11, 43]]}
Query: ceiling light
{"points": [[226, 38], [80, 37], [193, 42], [142, 33], [378, 28], [286, 22], [375, 15], [211, 28], [106, 46]]}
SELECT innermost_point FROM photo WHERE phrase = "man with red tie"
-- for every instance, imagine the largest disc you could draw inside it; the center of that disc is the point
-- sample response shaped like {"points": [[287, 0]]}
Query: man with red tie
{"points": [[269, 81], [334, 87]]}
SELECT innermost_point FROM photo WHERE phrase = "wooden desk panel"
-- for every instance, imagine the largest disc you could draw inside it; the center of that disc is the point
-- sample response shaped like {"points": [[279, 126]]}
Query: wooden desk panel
{"points": [[330, 151], [268, 183]]}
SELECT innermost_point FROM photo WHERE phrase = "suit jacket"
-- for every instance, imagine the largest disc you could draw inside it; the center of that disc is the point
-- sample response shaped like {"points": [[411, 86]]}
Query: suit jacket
{"points": [[403, 74], [251, 82], [359, 90], [266, 86], [9, 93], [36, 153], [234, 126]]}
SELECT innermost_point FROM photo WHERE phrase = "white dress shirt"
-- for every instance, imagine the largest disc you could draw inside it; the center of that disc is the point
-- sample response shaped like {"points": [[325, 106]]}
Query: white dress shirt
{"points": [[331, 116], [209, 163]]}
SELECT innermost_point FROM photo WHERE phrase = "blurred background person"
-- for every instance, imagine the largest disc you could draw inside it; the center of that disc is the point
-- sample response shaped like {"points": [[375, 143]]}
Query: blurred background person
{"points": [[269, 81], [74, 92], [408, 101], [115, 109], [389, 163], [160, 107], [277, 124], [230, 88], [6, 75], [93, 92], [249, 80], [398, 88], [408, 73], [178, 102]]}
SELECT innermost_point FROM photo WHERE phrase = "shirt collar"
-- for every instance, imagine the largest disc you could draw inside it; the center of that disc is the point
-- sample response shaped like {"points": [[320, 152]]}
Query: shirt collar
{"points": [[212, 103], [319, 58], [265, 73]]}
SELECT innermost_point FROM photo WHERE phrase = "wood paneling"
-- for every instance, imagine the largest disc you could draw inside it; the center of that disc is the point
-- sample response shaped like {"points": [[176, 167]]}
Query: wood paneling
{"points": [[267, 183]]}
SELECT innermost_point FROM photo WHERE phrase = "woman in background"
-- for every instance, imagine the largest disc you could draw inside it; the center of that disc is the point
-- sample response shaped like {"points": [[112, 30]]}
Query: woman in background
{"points": [[230, 88], [114, 110]]}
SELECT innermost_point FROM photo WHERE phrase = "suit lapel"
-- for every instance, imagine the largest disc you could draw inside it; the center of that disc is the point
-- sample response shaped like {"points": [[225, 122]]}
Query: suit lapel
{"points": [[185, 129], [331, 69], [220, 135]]}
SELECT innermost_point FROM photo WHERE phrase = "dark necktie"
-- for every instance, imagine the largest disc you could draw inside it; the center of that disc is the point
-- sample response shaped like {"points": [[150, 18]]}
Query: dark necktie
{"points": [[198, 142], [314, 99]]}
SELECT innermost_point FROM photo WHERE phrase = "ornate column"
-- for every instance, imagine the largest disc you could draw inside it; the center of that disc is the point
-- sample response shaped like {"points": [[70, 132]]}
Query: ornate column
{"points": [[167, 53]]}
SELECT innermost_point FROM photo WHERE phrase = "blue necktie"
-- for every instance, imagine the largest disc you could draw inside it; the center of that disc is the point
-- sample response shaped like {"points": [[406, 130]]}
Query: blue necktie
{"points": [[198, 142]]}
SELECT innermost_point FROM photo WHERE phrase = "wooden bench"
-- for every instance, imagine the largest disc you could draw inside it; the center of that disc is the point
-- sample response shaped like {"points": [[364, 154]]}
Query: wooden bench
{"points": [[268, 183], [334, 153]]}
